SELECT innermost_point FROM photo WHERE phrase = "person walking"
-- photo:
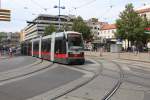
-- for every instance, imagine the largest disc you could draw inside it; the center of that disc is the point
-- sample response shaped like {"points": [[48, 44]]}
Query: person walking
{"points": [[10, 52], [148, 46], [0, 51]]}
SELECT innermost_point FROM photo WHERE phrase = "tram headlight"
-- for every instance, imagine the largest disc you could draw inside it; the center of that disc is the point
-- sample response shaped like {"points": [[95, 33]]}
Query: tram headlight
{"points": [[70, 54]]}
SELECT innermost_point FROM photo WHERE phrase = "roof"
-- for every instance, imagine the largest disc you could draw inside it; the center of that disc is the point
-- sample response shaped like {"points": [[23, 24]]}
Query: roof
{"points": [[143, 9], [108, 26]]}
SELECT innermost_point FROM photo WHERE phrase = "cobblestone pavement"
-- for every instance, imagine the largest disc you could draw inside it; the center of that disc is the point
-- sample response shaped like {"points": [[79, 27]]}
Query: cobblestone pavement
{"points": [[145, 57]]}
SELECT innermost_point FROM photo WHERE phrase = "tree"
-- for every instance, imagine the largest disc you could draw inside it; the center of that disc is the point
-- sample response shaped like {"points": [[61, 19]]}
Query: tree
{"points": [[130, 25], [1, 35], [66, 27], [80, 26], [145, 37], [49, 30]]}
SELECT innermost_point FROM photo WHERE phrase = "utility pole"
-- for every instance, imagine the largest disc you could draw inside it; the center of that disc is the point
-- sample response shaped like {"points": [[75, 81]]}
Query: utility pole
{"points": [[59, 15], [62, 7]]}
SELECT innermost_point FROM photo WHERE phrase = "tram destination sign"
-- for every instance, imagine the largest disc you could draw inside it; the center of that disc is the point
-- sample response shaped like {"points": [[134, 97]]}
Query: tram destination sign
{"points": [[5, 15]]}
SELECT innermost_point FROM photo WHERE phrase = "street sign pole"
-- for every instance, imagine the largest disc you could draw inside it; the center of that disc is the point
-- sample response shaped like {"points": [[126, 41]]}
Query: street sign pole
{"points": [[0, 4]]}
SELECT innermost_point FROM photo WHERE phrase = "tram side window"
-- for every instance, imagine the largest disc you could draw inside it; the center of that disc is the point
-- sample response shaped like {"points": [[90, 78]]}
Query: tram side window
{"points": [[60, 46], [46, 45], [36, 46], [43, 46]]}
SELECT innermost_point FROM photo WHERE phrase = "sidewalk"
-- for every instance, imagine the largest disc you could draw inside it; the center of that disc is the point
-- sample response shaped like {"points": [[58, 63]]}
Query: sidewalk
{"points": [[144, 57]]}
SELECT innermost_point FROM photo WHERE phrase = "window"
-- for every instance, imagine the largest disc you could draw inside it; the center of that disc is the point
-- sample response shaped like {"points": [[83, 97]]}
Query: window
{"points": [[60, 46], [46, 45], [36, 46]]}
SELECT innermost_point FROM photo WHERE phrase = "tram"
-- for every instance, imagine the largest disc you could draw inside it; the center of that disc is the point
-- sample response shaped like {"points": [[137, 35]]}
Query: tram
{"points": [[62, 47]]}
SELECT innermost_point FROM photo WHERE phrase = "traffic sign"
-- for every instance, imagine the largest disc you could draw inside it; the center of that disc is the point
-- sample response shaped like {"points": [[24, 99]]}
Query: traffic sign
{"points": [[5, 15]]}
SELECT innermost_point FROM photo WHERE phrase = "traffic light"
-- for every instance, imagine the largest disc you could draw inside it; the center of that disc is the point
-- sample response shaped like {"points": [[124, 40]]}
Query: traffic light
{"points": [[5, 15]]}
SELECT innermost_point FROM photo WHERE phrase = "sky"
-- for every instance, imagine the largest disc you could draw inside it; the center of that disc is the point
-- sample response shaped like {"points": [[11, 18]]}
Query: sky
{"points": [[27, 10]]}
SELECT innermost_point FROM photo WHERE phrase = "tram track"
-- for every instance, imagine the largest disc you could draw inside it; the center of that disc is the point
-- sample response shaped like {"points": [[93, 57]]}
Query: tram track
{"points": [[121, 79], [137, 67], [96, 74], [114, 88], [117, 85], [110, 93]]}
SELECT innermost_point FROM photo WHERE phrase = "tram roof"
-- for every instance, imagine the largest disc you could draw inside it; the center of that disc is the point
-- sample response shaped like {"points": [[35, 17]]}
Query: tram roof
{"points": [[68, 32], [58, 34]]}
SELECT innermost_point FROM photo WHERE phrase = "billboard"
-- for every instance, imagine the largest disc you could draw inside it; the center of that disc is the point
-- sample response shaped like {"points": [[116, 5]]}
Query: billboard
{"points": [[5, 15]]}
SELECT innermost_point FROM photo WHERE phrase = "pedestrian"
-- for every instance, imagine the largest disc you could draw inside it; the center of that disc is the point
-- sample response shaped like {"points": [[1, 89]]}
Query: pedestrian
{"points": [[10, 52], [134, 49], [148, 46], [101, 51], [0, 51]]}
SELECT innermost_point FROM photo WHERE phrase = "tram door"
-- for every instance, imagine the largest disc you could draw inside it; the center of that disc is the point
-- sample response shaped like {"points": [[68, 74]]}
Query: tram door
{"points": [[60, 50]]}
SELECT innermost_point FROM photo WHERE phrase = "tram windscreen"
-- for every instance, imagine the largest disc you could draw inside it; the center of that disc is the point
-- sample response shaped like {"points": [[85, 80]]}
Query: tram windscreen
{"points": [[75, 41]]}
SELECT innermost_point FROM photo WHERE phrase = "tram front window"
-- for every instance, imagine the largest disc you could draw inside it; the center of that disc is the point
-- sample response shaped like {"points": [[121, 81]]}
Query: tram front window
{"points": [[75, 41]]}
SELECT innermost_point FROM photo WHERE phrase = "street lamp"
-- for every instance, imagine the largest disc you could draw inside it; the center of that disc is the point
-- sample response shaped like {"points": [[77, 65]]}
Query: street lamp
{"points": [[59, 7]]}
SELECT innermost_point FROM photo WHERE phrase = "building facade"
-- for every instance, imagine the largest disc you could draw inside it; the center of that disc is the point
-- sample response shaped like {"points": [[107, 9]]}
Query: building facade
{"points": [[107, 32], [35, 30], [22, 35], [10, 39], [144, 11], [95, 26]]}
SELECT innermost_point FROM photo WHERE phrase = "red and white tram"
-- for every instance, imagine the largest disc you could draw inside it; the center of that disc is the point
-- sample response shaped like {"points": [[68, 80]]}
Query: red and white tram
{"points": [[63, 47]]}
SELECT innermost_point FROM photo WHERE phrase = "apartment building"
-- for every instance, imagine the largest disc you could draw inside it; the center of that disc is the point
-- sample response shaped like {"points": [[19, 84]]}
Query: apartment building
{"points": [[95, 26], [107, 31]]}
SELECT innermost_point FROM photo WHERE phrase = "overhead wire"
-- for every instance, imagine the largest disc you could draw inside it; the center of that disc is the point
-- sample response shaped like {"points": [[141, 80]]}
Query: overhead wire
{"points": [[81, 6], [86, 4], [33, 1]]}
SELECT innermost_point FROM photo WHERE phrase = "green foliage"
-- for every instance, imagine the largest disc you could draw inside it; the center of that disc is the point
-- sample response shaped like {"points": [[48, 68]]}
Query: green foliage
{"points": [[49, 30], [80, 26], [130, 25], [1, 35], [66, 27]]}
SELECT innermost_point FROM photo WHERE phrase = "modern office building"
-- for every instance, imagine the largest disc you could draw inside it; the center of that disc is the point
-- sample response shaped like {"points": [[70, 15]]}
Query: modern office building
{"points": [[33, 30]]}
